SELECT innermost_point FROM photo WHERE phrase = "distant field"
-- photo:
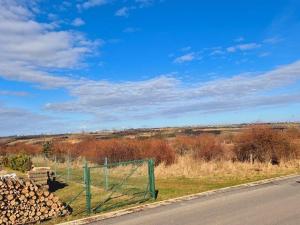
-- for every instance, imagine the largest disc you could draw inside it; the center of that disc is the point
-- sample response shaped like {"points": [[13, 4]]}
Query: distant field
{"points": [[136, 133]]}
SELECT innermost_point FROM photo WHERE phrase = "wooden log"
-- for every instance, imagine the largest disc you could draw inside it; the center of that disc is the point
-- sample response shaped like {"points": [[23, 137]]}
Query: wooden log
{"points": [[23, 202]]}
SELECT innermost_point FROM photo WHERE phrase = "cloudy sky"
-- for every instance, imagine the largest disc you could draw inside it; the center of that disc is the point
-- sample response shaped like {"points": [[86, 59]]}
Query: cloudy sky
{"points": [[69, 66]]}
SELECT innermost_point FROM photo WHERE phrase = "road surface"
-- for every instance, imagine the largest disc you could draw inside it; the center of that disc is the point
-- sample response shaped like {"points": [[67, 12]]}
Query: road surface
{"points": [[277, 203]]}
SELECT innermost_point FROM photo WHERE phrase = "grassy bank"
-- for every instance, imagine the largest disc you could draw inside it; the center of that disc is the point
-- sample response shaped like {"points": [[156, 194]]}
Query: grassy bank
{"points": [[188, 176]]}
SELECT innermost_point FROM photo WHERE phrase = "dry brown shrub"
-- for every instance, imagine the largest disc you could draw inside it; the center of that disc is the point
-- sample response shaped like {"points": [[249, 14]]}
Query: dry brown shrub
{"points": [[208, 147], [265, 145], [20, 147], [293, 132], [205, 146], [117, 150], [183, 144], [227, 137], [61, 149], [158, 149]]}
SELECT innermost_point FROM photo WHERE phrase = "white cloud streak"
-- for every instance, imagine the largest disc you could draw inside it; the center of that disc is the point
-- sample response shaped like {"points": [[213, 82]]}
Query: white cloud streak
{"points": [[138, 4], [272, 40], [29, 49], [243, 47], [77, 22], [144, 3], [239, 39], [165, 94], [13, 93], [92, 3], [185, 58], [124, 11], [20, 121], [130, 30]]}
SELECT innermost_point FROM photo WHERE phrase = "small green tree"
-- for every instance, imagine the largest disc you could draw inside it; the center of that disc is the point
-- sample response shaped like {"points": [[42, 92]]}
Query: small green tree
{"points": [[20, 162], [47, 149]]}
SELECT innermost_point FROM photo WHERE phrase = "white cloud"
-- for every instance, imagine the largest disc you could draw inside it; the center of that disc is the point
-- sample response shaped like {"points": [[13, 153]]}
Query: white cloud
{"points": [[21, 121], [249, 46], [15, 120], [185, 49], [124, 11], [138, 4], [243, 47], [29, 49], [91, 3], [130, 30], [264, 54], [13, 93], [144, 3], [239, 39], [167, 95], [217, 52], [52, 16], [233, 104], [185, 58], [163, 96], [272, 40], [78, 22]]}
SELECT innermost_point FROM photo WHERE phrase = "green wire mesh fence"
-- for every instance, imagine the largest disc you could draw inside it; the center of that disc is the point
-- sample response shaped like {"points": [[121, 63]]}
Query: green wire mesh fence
{"points": [[90, 188], [114, 185], [68, 179]]}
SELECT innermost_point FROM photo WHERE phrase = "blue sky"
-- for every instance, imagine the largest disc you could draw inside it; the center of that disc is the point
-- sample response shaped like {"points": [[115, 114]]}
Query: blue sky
{"points": [[68, 66]]}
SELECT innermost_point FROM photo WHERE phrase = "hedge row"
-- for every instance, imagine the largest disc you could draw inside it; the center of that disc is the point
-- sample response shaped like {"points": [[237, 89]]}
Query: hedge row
{"points": [[260, 143]]}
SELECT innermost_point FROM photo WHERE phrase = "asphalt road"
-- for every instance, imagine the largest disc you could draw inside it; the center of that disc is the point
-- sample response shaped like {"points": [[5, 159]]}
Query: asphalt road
{"points": [[277, 203]]}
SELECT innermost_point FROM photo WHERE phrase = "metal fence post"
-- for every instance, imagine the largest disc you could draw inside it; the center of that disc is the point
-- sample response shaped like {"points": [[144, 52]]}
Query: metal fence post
{"points": [[151, 178], [68, 168], [55, 165], [87, 182], [105, 174]]}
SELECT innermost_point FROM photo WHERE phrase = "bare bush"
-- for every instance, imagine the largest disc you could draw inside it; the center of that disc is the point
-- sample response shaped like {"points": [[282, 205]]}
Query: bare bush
{"points": [[96, 150], [264, 144], [183, 144], [117, 150], [20, 147], [205, 146], [261, 143], [293, 132], [208, 147]]}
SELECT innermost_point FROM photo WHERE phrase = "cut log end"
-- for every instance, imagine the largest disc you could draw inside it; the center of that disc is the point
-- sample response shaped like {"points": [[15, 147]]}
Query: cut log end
{"points": [[23, 202]]}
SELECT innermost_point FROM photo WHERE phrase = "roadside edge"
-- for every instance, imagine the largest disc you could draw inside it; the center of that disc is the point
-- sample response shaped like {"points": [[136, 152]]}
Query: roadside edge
{"points": [[134, 209]]}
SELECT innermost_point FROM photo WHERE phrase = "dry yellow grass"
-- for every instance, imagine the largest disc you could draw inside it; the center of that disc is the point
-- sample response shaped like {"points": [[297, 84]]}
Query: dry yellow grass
{"points": [[186, 166], [42, 161]]}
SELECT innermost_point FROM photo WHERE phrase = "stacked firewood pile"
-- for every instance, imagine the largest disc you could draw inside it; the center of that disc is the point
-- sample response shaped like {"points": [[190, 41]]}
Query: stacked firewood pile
{"points": [[23, 202]]}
